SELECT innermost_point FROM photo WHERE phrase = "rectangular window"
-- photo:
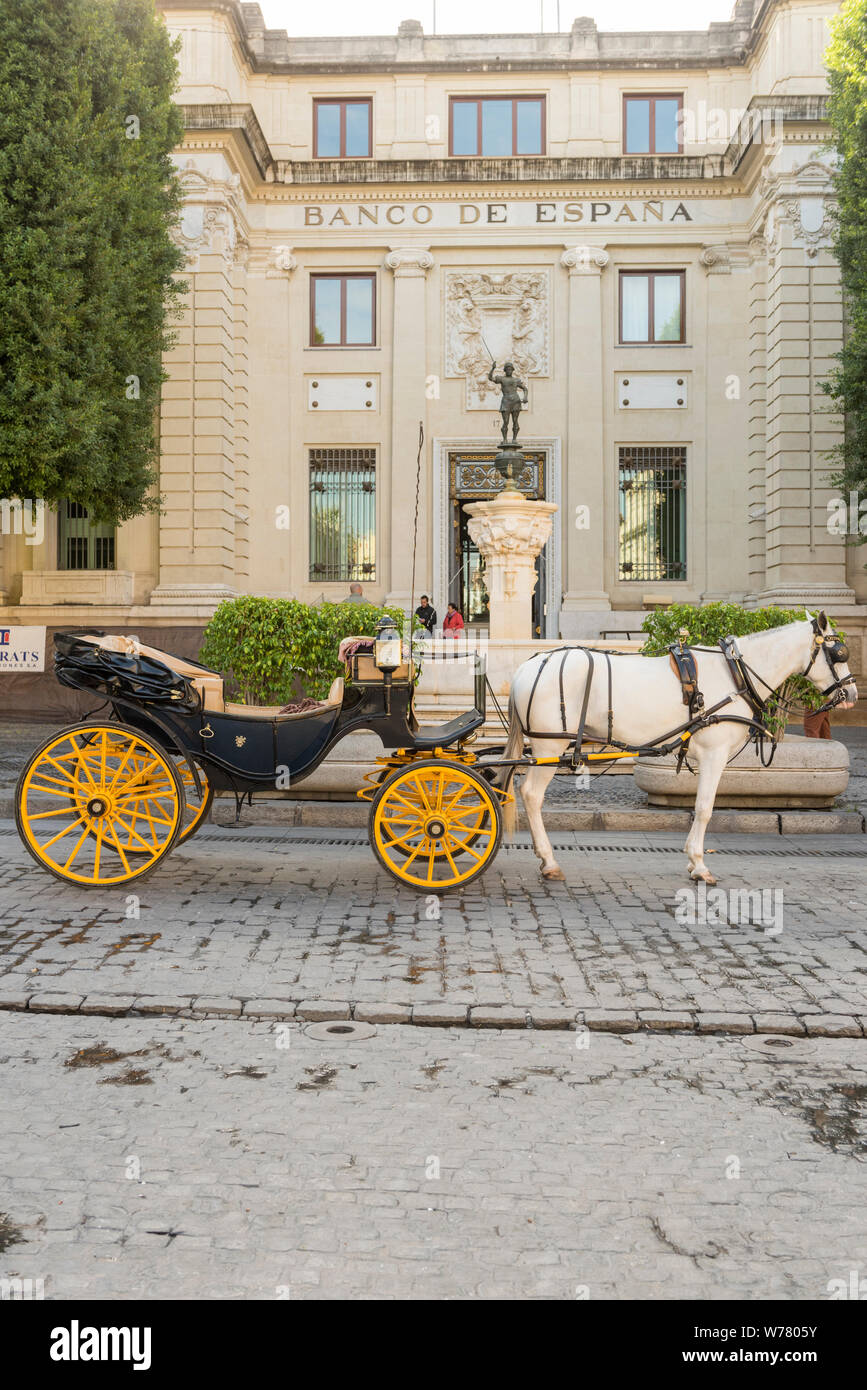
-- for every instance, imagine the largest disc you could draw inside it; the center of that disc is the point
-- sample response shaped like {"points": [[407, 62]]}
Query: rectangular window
{"points": [[652, 304], [651, 124], [497, 127], [342, 310], [342, 129], [83, 544], [342, 515], [652, 515]]}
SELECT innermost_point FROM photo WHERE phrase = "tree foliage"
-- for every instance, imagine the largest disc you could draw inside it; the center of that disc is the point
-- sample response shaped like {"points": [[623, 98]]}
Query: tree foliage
{"points": [[87, 197], [847, 68], [267, 647]]}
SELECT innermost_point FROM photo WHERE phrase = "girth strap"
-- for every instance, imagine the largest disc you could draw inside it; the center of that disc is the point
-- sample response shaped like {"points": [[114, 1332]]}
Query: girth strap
{"points": [[579, 737]]}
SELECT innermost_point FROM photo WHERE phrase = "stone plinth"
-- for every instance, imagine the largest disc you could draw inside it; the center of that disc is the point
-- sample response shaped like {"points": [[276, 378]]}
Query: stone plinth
{"points": [[806, 772], [510, 531]]}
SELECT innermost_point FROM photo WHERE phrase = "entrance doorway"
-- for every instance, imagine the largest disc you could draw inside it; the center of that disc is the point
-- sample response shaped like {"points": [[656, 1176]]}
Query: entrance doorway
{"points": [[473, 478]]}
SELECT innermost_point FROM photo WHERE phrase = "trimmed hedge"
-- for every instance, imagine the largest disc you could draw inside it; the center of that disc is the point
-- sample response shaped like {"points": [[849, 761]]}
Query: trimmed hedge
{"points": [[268, 648]]}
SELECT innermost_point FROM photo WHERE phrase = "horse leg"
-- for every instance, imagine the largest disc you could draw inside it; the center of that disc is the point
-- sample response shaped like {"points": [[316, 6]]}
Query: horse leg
{"points": [[533, 787], [710, 771]]}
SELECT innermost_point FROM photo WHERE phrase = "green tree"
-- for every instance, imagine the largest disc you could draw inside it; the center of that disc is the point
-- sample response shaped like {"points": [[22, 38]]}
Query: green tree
{"points": [[87, 265], [847, 66]]}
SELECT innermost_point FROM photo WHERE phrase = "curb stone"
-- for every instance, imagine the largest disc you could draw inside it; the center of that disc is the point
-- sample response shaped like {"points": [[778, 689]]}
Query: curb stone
{"points": [[444, 1015]]}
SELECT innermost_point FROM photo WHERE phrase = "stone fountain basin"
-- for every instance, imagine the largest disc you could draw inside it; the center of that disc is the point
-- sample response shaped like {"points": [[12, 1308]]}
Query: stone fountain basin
{"points": [[806, 772]]}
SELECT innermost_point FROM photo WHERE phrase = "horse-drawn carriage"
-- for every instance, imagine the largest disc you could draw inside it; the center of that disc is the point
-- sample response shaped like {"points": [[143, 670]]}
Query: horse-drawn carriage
{"points": [[102, 802]]}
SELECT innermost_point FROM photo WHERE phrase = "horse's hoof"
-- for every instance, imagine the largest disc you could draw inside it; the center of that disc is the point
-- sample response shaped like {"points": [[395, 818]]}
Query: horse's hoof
{"points": [[555, 873], [706, 877]]}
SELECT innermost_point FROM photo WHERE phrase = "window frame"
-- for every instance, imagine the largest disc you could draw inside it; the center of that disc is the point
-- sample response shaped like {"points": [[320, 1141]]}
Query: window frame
{"points": [[323, 463], [88, 537], [651, 342], [514, 98], [649, 465], [653, 98], [342, 102], [342, 276]]}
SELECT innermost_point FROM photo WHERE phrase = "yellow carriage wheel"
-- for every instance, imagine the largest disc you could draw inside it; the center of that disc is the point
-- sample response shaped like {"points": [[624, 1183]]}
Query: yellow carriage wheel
{"points": [[435, 825], [90, 792], [195, 808]]}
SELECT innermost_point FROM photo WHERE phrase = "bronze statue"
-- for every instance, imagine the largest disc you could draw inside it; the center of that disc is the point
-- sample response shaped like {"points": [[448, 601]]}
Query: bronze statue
{"points": [[511, 403]]}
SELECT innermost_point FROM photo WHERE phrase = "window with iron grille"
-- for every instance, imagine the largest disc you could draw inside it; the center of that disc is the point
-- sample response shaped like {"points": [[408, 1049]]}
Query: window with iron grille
{"points": [[83, 544], [342, 515], [653, 513]]}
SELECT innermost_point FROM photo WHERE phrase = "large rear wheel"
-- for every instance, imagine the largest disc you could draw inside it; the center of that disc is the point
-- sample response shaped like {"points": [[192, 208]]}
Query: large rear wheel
{"points": [[99, 804], [435, 825]]}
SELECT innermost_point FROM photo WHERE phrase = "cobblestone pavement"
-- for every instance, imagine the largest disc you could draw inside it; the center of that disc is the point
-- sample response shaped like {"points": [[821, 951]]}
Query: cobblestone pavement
{"points": [[307, 915], [222, 1159]]}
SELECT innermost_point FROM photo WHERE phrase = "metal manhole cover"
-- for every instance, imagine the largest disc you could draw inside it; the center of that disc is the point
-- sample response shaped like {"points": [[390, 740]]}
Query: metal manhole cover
{"points": [[340, 1030]]}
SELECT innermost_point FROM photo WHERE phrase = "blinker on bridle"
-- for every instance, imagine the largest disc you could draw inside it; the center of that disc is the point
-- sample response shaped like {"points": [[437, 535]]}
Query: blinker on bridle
{"points": [[837, 653]]}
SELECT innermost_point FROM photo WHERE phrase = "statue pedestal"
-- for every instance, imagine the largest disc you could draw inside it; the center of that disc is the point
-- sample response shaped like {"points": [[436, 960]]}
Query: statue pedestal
{"points": [[510, 531]]}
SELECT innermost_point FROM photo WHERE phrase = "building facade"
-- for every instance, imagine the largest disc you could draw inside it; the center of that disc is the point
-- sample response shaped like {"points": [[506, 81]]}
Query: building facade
{"points": [[638, 222]]}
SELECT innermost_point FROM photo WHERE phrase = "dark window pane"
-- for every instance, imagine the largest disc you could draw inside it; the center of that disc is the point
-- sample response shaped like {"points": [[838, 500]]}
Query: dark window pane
{"points": [[529, 127], [637, 126], [326, 310], [328, 130], [496, 128], [357, 129], [359, 310], [465, 127], [667, 124], [667, 308]]}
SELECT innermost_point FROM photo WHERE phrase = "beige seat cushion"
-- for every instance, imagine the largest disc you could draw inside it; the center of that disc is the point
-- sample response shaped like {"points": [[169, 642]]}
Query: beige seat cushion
{"points": [[335, 697]]}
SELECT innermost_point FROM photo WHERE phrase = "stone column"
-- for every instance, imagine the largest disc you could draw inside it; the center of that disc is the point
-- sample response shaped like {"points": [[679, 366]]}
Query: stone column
{"points": [[510, 532], [203, 402], [804, 562], [410, 265], [585, 598]]}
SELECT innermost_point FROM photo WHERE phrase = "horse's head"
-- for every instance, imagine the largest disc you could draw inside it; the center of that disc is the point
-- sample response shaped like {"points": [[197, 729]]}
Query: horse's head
{"points": [[828, 668]]}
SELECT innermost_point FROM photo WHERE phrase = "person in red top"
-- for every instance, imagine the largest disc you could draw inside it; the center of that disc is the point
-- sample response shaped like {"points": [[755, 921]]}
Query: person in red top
{"points": [[452, 622]]}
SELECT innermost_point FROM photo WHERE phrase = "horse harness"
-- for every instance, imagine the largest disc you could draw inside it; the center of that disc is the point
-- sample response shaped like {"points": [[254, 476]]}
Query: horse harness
{"points": [[684, 665]]}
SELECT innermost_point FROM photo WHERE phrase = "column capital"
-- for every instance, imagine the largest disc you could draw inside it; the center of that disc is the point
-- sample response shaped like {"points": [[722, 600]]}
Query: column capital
{"points": [[585, 260], [409, 260]]}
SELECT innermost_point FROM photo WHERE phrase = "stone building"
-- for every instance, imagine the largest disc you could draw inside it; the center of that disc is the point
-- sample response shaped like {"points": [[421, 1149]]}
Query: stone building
{"points": [[638, 221]]}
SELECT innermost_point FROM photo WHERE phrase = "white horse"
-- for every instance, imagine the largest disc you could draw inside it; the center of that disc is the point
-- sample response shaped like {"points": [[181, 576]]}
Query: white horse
{"points": [[647, 704]]}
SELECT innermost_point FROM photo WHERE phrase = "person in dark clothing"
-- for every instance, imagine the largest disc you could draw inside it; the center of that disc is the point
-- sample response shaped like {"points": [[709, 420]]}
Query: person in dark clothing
{"points": [[426, 615]]}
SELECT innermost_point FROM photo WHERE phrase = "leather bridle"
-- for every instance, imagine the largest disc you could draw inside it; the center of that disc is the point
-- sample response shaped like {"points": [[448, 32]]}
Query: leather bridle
{"points": [[831, 644]]}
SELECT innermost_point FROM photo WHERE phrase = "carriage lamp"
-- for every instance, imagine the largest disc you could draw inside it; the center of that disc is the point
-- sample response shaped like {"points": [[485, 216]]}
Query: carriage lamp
{"points": [[387, 654]]}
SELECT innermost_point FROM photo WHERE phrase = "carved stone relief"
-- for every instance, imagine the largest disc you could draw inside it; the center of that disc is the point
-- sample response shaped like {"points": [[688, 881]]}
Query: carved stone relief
{"points": [[506, 315]]}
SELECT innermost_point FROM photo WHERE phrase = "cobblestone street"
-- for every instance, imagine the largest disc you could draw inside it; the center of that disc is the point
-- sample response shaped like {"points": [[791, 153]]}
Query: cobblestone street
{"points": [[703, 1135], [223, 1159]]}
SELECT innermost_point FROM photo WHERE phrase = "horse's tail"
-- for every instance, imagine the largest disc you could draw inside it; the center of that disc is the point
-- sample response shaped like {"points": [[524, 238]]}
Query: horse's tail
{"points": [[514, 749]]}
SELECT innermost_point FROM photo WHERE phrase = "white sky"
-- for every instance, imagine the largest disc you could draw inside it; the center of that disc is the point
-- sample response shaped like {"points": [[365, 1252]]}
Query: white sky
{"points": [[488, 17]]}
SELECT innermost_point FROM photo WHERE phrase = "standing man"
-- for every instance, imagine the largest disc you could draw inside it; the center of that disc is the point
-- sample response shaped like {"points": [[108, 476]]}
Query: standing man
{"points": [[356, 594], [426, 615]]}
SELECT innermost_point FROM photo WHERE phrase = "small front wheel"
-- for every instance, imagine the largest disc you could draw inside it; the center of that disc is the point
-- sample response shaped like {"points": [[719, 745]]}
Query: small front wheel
{"points": [[99, 804], [435, 825]]}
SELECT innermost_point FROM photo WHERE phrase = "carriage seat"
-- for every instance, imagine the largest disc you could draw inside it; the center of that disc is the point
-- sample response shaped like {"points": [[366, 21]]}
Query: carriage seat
{"points": [[209, 684]]}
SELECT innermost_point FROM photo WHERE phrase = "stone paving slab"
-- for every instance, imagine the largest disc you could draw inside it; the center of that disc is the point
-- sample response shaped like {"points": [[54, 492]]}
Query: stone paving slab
{"points": [[308, 918], [223, 1159]]}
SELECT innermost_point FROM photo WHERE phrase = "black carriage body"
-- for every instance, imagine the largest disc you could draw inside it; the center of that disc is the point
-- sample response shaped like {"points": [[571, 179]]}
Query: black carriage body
{"points": [[246, 753]]}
